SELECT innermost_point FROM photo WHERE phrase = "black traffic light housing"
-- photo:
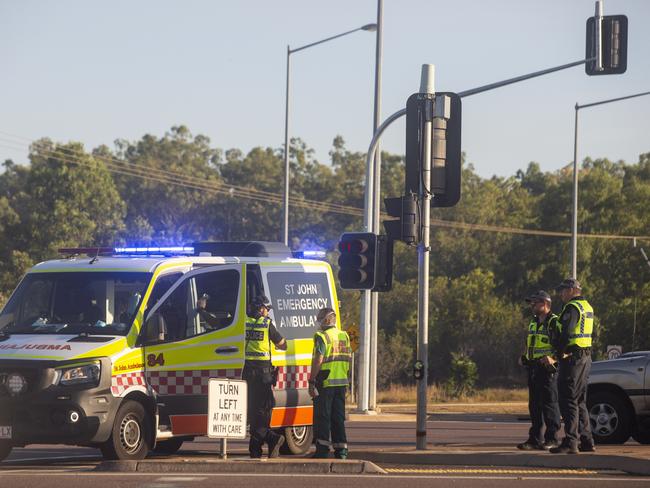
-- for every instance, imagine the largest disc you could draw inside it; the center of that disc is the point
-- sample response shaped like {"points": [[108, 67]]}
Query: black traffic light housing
{"points": [[614, 45], [365, 262], [407, 227], [419, 109]]}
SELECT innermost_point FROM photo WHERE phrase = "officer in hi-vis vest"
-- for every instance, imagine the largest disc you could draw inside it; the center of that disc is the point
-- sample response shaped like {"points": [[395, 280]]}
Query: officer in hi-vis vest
{"points": [[574, 354], [327, 385], [259, 374], [542, 378]]}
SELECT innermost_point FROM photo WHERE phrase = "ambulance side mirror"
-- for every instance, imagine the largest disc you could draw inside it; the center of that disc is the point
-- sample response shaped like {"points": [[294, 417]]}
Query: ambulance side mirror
{"points": [[155, 329]]}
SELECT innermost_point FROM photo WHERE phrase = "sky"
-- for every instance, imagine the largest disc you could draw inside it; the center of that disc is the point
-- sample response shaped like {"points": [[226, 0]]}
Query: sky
{"points": [[95, 72]]}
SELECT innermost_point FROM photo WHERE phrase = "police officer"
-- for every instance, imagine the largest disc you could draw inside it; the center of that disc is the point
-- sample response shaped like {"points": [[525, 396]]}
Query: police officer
{"points": [[259, 374], [574, 354], [542, 378], [327, 385]]}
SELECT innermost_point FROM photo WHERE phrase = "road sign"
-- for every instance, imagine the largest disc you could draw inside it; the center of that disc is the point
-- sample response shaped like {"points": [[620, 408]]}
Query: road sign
{"points": [[613, 352], [227, 408], [353, 332]]}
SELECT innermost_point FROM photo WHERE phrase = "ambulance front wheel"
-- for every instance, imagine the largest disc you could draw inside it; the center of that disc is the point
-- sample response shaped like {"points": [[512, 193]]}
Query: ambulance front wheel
{"points": [[298, 439], [5, 449], [131, 435]]}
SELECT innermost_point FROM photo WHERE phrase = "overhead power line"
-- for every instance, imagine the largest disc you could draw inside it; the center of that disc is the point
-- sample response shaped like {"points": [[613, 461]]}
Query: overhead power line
{"points": [[158, 175]]}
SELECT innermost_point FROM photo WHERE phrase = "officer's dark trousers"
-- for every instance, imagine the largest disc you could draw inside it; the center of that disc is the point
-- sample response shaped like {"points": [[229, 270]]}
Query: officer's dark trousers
{"points": [[329, 417], [572, 384], [543, 404], [260, 404]]}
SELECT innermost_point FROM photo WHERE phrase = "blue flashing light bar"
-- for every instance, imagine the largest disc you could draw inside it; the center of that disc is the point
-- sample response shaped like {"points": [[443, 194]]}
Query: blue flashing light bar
{"points": [[166, 250], [310, 254]]}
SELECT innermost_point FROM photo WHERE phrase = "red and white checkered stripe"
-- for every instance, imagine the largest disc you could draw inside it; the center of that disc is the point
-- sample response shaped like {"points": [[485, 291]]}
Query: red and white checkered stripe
{"points": [[292, 377], [187, 382], [182, 382], [122, 382]]}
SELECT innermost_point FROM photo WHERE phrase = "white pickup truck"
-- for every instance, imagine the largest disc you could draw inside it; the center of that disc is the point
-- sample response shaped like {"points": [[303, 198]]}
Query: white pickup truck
{"points": [[618, 399]]}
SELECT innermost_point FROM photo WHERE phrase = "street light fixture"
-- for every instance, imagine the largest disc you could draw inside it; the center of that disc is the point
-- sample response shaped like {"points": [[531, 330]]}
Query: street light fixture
{"points": [[574, 228], [367, 27]]}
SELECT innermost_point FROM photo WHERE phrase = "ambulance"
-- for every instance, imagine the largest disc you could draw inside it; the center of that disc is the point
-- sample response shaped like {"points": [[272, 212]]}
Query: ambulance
{"points": [[114, 348]]}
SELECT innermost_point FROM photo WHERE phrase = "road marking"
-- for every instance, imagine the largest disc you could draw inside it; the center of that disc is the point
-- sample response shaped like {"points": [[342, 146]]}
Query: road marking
{"points": [[489, 471]]}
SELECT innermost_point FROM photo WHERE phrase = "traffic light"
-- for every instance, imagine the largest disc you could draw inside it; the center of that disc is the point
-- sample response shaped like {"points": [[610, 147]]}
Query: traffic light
{"points": [[357, 260], [446, 151], [613, 45], [366, 262], [407, 227]]}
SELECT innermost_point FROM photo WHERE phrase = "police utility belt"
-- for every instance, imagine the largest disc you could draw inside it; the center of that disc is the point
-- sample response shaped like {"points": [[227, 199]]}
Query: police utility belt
{"points": [[577, 352]]}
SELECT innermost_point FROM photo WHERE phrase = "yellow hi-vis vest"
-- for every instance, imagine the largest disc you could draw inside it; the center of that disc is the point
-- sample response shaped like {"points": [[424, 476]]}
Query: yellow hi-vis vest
{"points": [[258, 347], [337, 356], [581, 335], [538, 342]]}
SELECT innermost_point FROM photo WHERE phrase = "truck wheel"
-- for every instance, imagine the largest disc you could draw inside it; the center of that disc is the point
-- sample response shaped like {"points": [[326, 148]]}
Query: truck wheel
{"points": [[610, 418], [169, 446], [130, 439], [5, 449], [298, 439]]}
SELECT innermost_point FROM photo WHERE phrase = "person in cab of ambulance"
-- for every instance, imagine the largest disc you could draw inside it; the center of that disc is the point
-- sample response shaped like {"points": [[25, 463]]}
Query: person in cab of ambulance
{"points": [[260, 375], [328, 381]]}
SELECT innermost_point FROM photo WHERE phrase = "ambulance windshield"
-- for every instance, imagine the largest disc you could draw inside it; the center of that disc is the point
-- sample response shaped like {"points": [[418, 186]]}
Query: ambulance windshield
{"points": [[102, 303]]}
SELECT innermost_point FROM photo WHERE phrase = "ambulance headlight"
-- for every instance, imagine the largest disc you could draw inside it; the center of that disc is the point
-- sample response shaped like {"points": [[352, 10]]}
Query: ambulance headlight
{"points": [[16, 384], [86, 374]]}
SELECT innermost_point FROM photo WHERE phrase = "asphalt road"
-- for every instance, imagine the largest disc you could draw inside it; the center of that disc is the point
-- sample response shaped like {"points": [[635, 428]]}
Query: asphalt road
{"points": [[361, 435], [71, 467], [56, 479]]}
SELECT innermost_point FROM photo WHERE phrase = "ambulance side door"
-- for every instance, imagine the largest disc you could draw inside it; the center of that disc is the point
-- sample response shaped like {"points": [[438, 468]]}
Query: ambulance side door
{"points": [[184, 347]]}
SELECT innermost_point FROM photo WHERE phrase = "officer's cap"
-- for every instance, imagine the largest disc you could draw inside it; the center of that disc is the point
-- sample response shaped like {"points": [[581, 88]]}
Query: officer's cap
{"points": [[324, 313], [261, 301], [538, 296], [568, 283]]}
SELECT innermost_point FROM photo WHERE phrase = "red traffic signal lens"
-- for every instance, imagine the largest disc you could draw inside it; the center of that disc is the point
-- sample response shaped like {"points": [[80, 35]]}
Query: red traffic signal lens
{"points": [[353, 246]]}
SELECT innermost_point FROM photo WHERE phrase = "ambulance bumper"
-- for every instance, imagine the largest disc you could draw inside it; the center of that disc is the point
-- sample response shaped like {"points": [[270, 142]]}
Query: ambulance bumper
{"points": [[55, 414]]}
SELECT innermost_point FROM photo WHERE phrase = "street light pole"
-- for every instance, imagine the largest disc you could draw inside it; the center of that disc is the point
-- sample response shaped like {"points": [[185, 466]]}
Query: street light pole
{"points": [[285, 228], [574, 226]]}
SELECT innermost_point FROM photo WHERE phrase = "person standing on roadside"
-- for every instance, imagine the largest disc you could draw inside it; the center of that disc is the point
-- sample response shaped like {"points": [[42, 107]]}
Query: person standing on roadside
{"points": [[574, 355], [259, 374], [328, 382], [542, 376]]}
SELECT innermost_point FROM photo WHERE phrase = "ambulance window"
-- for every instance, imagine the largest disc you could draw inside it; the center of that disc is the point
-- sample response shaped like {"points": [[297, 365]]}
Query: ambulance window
{"points": [[254, 286], [163, 283], [174, 312], [217, 296], [37, 298]]}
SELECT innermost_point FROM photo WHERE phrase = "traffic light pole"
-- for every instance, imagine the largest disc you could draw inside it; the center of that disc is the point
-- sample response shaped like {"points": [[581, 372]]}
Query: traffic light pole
{"points": [[364, 349], [424, 249]]}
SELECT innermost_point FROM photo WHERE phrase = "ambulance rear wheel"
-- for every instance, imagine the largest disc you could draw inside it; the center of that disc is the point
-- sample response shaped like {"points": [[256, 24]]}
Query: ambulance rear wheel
{"points": [[130, 439], [298, 439], [5, 449]]}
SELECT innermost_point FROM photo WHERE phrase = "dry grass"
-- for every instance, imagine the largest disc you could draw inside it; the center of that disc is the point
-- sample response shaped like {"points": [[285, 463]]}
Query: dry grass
{"points": [[437, 394]]}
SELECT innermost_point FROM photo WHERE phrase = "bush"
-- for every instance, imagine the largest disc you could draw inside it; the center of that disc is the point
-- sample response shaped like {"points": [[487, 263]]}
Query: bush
{"points": [[463, 374]]}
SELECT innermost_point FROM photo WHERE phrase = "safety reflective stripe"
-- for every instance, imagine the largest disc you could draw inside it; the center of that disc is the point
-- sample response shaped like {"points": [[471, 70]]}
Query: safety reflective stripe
{"points": [[340, 445], [337, 382], [338, 357], [323, 442], [579, 335]]}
